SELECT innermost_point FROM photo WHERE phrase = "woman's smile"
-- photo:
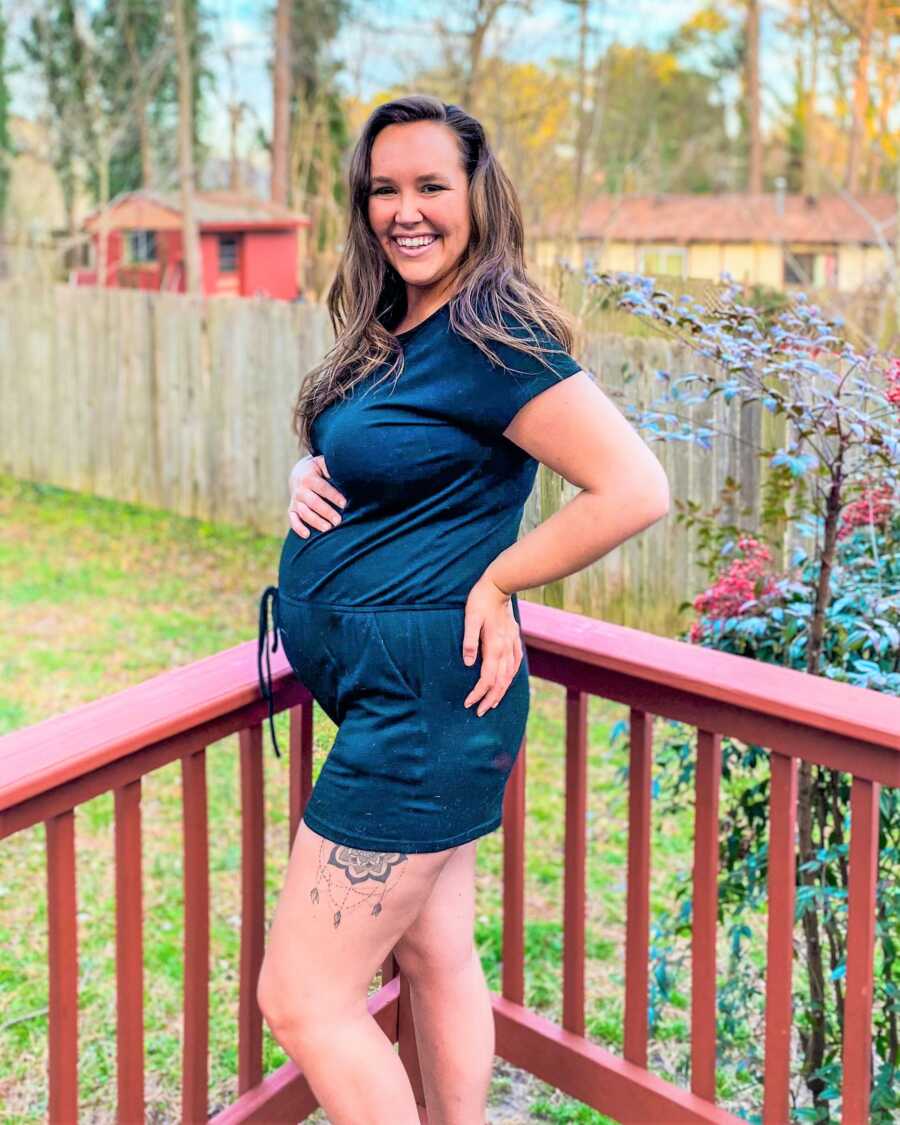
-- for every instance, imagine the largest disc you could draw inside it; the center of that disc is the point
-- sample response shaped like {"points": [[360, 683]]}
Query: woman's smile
{"points": [[414, 246]]}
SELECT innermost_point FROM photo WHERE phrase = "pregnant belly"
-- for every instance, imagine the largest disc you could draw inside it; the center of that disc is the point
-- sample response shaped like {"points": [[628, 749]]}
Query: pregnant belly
{"points": [[363, 564], [358, 565]]}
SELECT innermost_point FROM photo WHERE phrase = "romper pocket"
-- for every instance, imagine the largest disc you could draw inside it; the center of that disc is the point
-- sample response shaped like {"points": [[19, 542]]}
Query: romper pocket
{"points": [[397, 637]]}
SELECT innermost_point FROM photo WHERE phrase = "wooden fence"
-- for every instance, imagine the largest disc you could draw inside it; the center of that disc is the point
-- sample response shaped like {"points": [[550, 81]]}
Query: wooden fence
{"points": [[185, 404]]}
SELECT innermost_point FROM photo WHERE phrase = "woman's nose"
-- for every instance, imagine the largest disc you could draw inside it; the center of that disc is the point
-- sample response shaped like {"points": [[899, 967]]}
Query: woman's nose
{"points": [[408, 212]]}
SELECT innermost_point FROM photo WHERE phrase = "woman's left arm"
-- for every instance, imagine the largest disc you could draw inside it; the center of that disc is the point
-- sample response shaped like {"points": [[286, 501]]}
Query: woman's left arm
{"points": [[577, 431]]}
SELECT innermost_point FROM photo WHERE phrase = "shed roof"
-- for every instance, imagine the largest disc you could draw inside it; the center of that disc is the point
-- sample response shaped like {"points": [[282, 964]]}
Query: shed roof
{"points": [[157, 210], [734, 217]]}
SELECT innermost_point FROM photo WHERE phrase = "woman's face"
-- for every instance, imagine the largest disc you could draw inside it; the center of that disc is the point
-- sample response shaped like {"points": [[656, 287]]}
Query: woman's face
{"points": [[419, 187]]}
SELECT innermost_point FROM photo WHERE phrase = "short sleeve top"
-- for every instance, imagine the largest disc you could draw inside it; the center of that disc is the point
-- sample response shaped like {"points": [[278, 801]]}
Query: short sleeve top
{"points": [[434, 490]]}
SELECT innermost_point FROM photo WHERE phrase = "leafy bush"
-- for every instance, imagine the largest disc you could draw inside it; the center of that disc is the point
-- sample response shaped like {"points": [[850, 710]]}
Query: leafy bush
{"points": [[751, 611], [834, 611]]}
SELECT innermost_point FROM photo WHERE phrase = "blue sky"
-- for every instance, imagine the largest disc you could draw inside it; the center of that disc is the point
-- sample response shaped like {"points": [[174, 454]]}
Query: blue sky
{"points": [[374, 59], [391, 39]]}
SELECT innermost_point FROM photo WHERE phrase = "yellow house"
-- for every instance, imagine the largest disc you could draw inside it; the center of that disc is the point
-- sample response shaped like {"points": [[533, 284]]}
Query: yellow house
{"points": [[833, 242]]}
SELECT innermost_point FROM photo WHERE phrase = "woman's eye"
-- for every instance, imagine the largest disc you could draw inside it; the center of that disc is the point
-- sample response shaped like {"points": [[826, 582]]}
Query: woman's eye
{"points": [[380, 191]]}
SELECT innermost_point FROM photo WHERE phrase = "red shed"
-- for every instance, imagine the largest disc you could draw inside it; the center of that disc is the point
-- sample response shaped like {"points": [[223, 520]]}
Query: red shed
{"points": [[248, 246]]}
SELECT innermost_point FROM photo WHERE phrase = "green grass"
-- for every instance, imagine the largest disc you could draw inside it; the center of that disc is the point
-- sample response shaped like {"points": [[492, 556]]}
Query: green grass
{"points": [[99, 595]]}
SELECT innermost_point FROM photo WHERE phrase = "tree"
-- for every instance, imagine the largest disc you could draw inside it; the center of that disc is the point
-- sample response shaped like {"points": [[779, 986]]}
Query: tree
{"points": [[138, 72], [136, 63], [801, 25], [319, 133], [713, 39], [810, 106], [281, 99], [191, 242], [663, 129], [857, 28], [584, 118], [865, 24], [5, 139], [55, 47], [751, 37], [465, 41]]}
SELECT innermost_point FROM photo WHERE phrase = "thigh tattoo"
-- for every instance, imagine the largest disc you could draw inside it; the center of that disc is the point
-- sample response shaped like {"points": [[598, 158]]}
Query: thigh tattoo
{"points": [[353, 876]]}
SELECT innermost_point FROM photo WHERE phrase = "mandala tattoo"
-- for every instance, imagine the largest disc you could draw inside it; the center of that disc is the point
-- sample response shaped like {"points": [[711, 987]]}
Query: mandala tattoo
{"points": [[365, 877]]}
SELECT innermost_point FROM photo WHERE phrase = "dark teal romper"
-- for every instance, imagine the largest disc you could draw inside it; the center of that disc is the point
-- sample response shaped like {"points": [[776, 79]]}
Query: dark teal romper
{"points": [[371, 612]]}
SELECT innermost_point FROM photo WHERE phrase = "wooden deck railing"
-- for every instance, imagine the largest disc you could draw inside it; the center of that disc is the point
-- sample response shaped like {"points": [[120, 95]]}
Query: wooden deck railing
{"points": [[47, 770]]}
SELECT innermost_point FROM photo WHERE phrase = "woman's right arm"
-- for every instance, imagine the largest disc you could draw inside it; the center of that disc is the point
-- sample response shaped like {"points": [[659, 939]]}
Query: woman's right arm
{"points": [[311, 492]]}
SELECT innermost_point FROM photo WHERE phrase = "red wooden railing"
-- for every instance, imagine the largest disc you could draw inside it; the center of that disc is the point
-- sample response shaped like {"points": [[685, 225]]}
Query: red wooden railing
{"points": [[47, 770]]}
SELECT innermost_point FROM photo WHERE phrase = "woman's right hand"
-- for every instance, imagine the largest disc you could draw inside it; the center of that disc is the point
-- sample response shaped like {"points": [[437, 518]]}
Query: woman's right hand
{"points": [[310, 495]]}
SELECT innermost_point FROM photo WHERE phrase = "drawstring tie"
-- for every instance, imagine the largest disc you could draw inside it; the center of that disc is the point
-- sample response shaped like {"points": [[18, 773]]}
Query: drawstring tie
{"points": [[265, 684]]}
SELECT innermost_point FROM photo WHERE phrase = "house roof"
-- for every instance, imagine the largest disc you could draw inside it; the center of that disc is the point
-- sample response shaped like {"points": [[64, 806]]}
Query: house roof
{"points": [[213, 210], [733, 217]]}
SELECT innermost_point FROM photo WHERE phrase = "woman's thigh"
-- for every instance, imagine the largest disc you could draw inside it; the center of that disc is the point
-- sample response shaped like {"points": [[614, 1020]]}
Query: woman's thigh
{"points": [[440, 939], [340, 913]]}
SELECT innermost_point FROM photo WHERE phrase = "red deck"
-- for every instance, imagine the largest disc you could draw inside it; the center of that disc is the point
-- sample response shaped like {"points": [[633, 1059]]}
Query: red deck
{"points": [[47, 770]]}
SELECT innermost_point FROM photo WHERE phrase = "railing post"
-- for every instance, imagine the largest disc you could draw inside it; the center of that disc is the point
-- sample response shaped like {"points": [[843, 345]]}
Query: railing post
{"points": [[513, 980], [195, 837], [857, 1054], [62, 943], [129, 955], [252, 908], [704, 914], [782, 866], [300, 759], [575, 859], [637, 924]]}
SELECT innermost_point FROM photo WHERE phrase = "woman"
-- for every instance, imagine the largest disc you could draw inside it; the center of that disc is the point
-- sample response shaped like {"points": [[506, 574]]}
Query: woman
{"points": [[449, 380]]}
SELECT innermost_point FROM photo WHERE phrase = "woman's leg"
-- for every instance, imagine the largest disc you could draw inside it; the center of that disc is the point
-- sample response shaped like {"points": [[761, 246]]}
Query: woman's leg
{"points": [[340, 914], [449, 996]]}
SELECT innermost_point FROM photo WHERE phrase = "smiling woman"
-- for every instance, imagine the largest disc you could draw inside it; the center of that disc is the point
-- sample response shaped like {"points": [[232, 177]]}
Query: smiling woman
{"points": [[400, 614]]}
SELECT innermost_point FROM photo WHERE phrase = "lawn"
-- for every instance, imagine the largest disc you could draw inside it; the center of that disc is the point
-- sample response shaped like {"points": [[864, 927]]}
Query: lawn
{"points": [[96, 595]]}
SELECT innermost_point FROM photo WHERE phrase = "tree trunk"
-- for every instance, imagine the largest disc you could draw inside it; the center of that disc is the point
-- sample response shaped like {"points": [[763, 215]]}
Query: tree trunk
{"points": [[483, 17], [235, 116], [815, 1041], [860, 99], [281, 104], [191, 247], [581, 143], [148, 169], [897, 256], [141, 107], [754, 160], [103, 233], [810, 124]]}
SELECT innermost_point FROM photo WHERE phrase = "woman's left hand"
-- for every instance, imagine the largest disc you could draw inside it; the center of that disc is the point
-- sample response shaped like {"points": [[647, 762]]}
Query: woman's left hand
{"points": [[489, 617]]}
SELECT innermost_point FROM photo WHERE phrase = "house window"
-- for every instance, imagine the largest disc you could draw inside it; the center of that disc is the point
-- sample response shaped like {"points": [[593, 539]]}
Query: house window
{"points": [[667, 260], [799, 269], [140, 246], [228, 253]]}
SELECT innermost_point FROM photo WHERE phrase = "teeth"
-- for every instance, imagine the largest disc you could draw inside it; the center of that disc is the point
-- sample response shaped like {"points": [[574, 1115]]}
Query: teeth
{"points": [[424, 241]]}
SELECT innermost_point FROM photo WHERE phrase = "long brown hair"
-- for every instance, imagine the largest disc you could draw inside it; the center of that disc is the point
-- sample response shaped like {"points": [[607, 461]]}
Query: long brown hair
{"points": [[492, 291]]}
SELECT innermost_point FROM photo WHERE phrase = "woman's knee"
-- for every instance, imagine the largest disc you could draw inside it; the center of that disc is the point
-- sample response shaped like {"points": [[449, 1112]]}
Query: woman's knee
{"points": [[304, 1008]]}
